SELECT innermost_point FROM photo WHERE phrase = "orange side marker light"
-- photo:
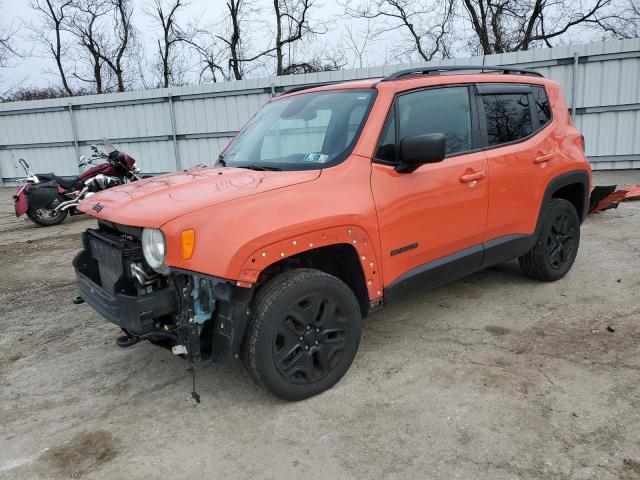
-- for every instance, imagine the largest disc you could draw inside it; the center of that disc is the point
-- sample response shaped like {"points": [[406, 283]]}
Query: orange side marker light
{"points": [[188, 238]]}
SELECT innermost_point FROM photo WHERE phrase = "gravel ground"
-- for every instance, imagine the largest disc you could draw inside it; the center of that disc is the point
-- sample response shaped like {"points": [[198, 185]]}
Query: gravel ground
{"points": [[493, 377]]}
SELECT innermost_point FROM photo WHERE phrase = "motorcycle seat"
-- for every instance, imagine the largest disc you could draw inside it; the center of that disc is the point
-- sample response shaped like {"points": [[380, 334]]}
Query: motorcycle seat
{"points": [[63, 182], [45, 177]]}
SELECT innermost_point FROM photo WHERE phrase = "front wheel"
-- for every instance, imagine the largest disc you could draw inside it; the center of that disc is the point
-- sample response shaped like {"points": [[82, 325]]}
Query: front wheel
{"points": [[47, 216], [304, 332]]}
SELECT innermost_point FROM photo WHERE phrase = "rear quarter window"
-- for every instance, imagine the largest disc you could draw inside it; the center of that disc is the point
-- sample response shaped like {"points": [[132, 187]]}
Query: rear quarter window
{"points": [[542, 105]]}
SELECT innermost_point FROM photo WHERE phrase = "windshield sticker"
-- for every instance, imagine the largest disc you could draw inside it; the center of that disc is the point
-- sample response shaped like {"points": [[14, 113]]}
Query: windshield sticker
{"points": [[316, 158]]}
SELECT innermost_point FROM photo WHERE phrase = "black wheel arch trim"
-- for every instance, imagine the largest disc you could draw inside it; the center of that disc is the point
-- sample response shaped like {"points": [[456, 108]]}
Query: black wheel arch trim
{"points": [[573, 177]]}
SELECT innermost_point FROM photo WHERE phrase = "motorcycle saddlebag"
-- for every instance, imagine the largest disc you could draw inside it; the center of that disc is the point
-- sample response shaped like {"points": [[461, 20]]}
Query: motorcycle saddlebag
{"points": [[42, 194]]}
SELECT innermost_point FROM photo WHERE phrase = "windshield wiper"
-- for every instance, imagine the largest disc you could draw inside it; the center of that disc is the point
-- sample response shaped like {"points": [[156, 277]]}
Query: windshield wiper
{"points": [[221, 161], [260, 168]]}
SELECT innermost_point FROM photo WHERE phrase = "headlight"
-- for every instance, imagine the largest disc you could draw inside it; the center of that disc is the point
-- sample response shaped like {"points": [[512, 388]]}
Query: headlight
{"points": [[154, 249]]}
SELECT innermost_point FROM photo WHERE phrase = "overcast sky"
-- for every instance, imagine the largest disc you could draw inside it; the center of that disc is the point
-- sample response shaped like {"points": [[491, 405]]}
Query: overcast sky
{"points": [[35, 70], [32, 70]]}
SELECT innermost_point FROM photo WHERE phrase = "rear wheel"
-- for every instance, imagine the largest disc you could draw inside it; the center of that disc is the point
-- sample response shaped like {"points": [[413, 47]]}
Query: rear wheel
{"points": [[557, 246], [47, 216], [303, 335]]}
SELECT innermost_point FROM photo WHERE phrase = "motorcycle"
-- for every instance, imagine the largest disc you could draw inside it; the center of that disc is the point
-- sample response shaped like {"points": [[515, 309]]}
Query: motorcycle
{"points": [[47, 198]]}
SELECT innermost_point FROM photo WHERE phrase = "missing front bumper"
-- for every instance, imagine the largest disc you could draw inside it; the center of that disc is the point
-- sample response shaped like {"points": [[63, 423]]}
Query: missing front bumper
{"points": [[136, 314], [207, 315]]}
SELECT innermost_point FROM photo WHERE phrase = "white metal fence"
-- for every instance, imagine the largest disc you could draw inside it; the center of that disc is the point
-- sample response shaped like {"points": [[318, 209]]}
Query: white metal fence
{"points": [[174, 128]]}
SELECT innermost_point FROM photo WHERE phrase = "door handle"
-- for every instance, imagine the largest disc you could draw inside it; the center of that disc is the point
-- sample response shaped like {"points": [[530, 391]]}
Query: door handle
{"points": [[472, 177], [543, 158]]}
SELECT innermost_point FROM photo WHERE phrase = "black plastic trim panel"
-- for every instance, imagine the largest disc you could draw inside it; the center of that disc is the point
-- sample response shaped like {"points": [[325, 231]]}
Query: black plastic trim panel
{"points": [[436, 273], [134, 313], [506, 248], [579, 176]]}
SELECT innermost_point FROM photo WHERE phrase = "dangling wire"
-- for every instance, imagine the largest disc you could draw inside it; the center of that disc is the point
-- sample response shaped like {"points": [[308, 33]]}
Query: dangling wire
{"points": [[194, 394]]}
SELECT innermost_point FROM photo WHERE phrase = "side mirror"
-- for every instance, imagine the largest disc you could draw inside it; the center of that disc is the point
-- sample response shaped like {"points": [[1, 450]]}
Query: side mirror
{"points": [[414, 151]]}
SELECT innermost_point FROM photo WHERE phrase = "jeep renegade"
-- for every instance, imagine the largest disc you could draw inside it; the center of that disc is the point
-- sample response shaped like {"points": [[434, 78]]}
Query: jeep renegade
{"points": [[333, 202]]}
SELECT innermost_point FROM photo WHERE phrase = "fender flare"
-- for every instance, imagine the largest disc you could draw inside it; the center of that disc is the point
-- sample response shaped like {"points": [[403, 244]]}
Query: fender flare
{"points": [[579, 176], [353, 235]]}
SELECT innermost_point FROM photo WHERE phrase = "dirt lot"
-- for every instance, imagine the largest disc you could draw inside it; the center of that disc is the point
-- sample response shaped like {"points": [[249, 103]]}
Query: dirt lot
{"points": [[493, 377]]}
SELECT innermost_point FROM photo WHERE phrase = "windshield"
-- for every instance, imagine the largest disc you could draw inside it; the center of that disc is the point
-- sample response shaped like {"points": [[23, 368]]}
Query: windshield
{"points": [[308, 131]]}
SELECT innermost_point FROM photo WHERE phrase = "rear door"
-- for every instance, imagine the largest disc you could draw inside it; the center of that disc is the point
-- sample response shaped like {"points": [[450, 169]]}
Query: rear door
{"points": [[438, 210], [518, 152]]}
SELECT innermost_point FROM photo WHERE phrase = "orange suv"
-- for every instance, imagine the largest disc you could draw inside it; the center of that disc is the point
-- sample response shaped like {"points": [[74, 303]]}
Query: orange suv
{"points": [[331, 203]]}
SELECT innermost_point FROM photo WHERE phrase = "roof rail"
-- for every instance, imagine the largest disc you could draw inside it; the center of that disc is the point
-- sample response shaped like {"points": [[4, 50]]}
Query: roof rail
{"points": [[458, 68]]}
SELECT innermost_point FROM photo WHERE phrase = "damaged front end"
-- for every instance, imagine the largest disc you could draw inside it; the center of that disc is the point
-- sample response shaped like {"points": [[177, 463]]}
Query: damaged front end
{"points": [[197, 316]]}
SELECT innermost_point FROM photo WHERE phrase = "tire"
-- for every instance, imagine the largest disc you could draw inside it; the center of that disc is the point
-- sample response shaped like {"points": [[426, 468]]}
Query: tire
{"points": [[557, 245], [44, 217], [304, 332]]}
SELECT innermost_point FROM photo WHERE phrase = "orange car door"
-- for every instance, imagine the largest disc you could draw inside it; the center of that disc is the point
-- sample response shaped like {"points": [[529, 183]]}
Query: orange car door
{"points": [[431, 220], [518, 152]]}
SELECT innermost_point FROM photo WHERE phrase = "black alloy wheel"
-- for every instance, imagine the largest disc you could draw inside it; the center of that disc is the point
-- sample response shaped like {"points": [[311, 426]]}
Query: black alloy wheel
{"points": [[561, 240], [557, 244], [303, 333], [310, 339]]}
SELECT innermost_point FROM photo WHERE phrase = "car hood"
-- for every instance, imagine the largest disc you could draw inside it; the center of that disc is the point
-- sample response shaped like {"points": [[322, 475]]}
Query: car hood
{"points": [[155, 201]]}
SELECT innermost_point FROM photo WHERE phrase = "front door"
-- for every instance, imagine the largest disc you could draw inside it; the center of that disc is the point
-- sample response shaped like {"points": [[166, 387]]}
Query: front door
{"points": [[436, 215]]}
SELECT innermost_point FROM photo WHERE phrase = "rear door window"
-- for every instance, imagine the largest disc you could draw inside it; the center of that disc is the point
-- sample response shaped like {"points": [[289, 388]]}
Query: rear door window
{"points": [[508, 117]]}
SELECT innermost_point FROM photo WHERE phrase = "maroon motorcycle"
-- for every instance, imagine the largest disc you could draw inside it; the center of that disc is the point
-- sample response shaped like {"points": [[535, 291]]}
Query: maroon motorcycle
{"points": [[47, 198]]}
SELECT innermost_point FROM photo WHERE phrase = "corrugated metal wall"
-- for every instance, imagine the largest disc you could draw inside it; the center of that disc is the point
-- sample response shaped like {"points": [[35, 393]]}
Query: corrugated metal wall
{"points": [[173, 128]]}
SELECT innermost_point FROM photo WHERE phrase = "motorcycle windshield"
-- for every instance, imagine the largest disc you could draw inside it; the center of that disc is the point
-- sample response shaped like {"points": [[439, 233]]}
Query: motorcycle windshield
{"points": [[107, 146]]}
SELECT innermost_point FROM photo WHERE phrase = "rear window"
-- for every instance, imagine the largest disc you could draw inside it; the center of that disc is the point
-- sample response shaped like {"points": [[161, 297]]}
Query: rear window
{"points": [[508, 117]]}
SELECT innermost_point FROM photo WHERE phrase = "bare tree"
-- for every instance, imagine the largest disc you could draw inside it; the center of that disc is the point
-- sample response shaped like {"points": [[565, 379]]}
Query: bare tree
{"points": [[212, 55], [86, 25], [229, 40], [426, 23], [173, 37], [357, 42], [292, 25], [512, 25], [123, 33], [623, 20], [7, 48], [237, 9], [53, 14], [38, 93], [315, 64]]}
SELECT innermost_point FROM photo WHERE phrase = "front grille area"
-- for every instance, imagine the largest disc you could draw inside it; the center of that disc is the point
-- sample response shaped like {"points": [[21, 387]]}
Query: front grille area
{"points": [[112, 254], [103, 270], [109, 263]]}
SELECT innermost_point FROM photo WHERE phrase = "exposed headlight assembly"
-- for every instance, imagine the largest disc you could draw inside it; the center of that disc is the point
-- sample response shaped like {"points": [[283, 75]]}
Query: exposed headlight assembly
{"points": [[154, 249]]}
